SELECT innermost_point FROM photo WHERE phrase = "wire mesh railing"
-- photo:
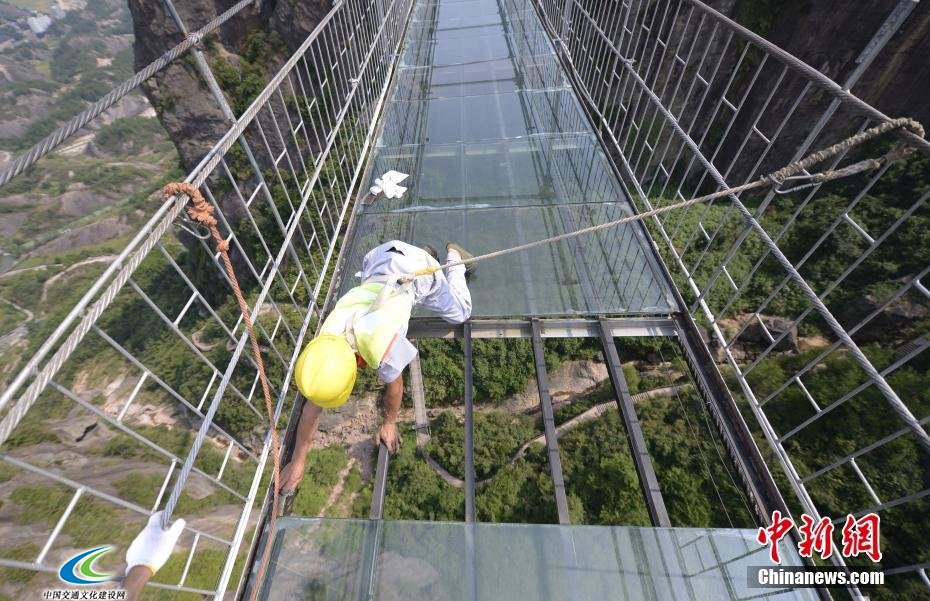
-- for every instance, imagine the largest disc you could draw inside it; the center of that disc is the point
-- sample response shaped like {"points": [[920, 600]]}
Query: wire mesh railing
{"points": [[147, 373], [815, 297]]}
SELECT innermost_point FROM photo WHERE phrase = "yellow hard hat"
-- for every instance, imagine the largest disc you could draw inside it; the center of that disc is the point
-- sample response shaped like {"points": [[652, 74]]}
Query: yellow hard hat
{"points": [[325, 371]]}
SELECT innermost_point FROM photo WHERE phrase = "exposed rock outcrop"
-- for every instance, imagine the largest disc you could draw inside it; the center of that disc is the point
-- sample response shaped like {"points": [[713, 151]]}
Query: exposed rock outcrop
{"points": [[754, 336], [293, 21], [265, 32], [185, 107], [898, 316], [105, 229], [829, 38], [759, 330]]}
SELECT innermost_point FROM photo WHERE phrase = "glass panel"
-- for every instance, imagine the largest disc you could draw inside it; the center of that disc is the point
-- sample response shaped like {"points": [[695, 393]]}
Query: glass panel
{"points": [[422, 83], [605, 272], [450, 48], [488, 117], [340, 559], [549, 169], [500, 153]]}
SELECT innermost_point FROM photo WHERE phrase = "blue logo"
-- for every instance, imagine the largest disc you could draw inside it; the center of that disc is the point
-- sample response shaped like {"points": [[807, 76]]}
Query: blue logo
{"points": [[80, 568]]}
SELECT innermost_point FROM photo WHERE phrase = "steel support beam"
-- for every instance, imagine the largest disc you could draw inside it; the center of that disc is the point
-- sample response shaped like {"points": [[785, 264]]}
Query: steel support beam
{"points": [[371, 545], [373, 531], [380, 485], [471, 559], [469, 430], [625, 327], [738, 440], [552, 443], [420, 419], [647, 476]]}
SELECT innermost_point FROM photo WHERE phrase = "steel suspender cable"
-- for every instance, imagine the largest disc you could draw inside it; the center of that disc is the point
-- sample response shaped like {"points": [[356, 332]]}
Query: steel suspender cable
{"points": [[202, 212]]}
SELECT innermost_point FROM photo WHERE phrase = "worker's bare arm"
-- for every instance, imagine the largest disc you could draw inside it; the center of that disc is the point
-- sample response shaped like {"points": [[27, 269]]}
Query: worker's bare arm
{"points": [[293, 472], [135, 580], [388, 432]]}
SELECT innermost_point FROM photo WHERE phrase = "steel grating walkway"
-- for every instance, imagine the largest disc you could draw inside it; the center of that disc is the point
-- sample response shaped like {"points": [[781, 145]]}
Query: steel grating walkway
{"points": [[500, 153]]}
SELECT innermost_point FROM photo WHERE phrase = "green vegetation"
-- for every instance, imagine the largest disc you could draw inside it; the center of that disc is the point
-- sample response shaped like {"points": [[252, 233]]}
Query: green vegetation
{"points": [[6, 472], [895, 469], [416, 492], [498, 436], [69, 61], [237, 475], [203, 573], [23, 552], [878, 275], [142, 489], [697, 479], [90, 522], [502, 367], [321, 475], [124, 136], [28, 434], [10, 316], [32, 429], [257, 56]]}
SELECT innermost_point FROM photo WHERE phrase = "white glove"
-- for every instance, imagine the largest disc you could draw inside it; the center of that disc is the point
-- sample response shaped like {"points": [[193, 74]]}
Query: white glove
{"points": [[153, 546], [393, 190], [388, 184]]}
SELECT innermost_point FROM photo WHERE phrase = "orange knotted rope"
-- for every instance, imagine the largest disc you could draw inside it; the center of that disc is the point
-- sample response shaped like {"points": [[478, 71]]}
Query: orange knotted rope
{"points": [[202, 212]]}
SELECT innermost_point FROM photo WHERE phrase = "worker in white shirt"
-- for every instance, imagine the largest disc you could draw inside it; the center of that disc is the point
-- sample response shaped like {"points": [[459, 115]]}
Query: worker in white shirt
{"points": [[368, 327]]}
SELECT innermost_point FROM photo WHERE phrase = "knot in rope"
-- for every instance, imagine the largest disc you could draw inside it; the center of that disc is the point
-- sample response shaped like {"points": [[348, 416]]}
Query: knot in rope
{"points": [[200, 210], [779, 177]]}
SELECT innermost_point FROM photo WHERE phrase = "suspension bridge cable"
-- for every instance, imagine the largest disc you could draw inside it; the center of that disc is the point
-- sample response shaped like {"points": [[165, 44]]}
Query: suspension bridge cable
{"points": [[51, 141]]}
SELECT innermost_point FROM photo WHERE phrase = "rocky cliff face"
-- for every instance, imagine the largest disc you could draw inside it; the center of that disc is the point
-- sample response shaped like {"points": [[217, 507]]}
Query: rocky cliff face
{"points": [[188, 111], [831, 39]]}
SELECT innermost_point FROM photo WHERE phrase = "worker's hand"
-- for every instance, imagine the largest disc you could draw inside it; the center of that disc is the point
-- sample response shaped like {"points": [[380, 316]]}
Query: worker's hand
{"points": [[291, 476], [153, 546], [389, 435]]}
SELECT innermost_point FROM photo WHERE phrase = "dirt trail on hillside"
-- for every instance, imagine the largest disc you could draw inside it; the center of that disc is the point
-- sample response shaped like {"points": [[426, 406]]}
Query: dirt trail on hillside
{"points": [[51, 281], [340, 486]]}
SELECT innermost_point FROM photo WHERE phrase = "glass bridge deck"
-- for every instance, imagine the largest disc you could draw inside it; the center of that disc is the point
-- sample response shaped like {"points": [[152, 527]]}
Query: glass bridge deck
{"points": [[499, 153], [342, 559]]}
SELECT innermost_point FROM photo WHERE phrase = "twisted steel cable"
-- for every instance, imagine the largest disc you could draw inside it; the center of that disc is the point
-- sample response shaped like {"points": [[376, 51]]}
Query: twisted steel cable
{"points": [[54, 139]]}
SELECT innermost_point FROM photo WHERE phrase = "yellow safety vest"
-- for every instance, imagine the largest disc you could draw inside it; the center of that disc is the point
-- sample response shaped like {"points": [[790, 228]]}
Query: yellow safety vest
{"points": [[370, 331]]}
